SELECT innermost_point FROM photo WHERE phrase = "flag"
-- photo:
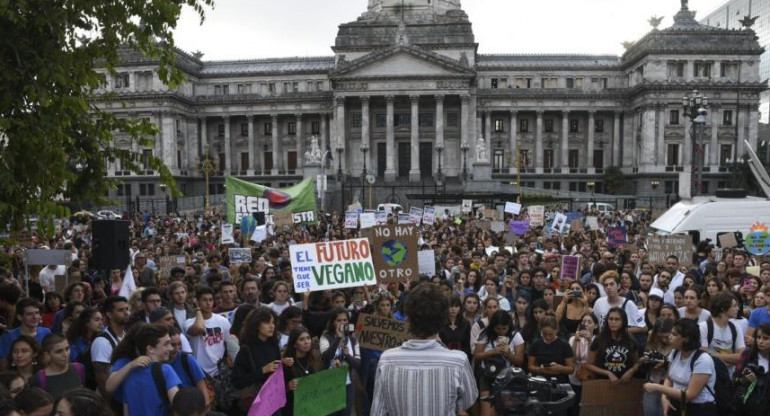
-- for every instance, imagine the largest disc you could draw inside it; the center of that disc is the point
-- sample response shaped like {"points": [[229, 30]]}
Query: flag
{"points": [[129, 285]]}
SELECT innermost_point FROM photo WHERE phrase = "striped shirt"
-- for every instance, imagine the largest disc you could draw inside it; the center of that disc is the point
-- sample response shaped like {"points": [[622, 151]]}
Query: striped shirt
{"points": [[423, 377]]}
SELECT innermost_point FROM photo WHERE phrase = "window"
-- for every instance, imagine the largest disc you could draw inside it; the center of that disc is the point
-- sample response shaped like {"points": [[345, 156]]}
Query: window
{"points": [[271, 88], [122, 80], [309, 87], [221, 89], [124, 189], [244, 161], [548, 158], [524, 158], [671, 187], [221, 130], [355, 119], [243, 88], [574, 82], [676, 69], [146, 156], [524, 125], [144, 81], [598, 126], [673, 117], [573, 158], [315, 127], [319, 86], [598, 83], [498, 160], [520, 82], [548, 128], [493, 83], [268, 129], [379, 119], [574, 125], [292, 126], [179, 159], [451, 119], [286, 87], [727, 118], [550, 82], [295, 86], [244, 129], [498, 83], [499, 126], [146, 189], [598, 159], [725, 154], [672, 154], [402, 119], [702, 69], [729, 69], [425, 119]]}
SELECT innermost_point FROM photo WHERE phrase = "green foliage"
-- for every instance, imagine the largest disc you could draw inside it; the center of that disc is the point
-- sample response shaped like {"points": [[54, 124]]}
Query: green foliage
{"points": [[54, 54], [614, 179]]}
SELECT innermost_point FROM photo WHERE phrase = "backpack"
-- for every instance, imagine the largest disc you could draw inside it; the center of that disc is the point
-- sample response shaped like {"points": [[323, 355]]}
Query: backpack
{"points": [[710, 332], [160, 384], [723, 386], [42, 378], [84, 358]]}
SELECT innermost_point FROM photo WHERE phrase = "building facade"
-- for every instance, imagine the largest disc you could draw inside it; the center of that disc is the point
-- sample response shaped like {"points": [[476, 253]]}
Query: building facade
{"points": [[407, 98]]}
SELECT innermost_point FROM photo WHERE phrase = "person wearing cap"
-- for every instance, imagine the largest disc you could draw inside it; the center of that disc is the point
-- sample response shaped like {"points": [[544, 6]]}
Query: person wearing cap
{"points": [[654, 303], [166, 318]]}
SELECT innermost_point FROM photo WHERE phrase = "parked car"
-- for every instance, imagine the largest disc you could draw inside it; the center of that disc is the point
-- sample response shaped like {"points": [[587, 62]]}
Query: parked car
{"points": [[605, 209], [390, 208], [107, 215]]}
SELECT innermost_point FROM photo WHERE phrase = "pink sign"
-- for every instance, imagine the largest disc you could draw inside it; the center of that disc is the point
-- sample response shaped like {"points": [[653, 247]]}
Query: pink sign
{"points": [[272, 395]]}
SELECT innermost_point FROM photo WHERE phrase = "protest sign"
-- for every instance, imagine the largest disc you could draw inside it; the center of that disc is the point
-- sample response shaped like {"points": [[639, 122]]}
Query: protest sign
{"points": [[260, 234], [355, 207], [239, 255], [426, 260], [592, 223], [661, 246], [166, 263], [512, 208], [491, 214], [428, 215], [381, 217], [511, 238], [483, 224], [367, 220], [757, 241], [227, 234], [570, 267], [572, 216], [271, 396], [415, 215], [536, 215], [603, 398], [404, 219], [519, 227], [351, 220], [559, 222], [380, 333], [467, 206], [491, 249], [616, 236], [281, 219], [576, 225], [394, 251], [497, 226], [321, 393], [753, 270], [245, 198], [332, 265], [727, 240]]}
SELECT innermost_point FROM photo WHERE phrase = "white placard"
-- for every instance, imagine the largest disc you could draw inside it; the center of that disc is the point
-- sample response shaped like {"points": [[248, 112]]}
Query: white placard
{"points": [[467, 205], [428, 215], [512, 208], [592, 223], [351, 220], [492, 249], [332, 265], [404, 219], [415, 215], [381, 217], [426, 262], [559, 222], [497, 226], [536, 215], [260, 234], [367, 220], [227, 234]]}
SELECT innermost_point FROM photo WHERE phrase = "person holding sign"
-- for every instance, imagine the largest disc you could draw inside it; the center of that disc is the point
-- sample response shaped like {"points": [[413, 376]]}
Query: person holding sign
{"points": [[306, 361], [338, 347]]}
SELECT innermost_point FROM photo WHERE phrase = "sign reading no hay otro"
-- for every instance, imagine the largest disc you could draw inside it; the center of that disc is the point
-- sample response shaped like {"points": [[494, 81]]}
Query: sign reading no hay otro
{"points": [[394, 252]]}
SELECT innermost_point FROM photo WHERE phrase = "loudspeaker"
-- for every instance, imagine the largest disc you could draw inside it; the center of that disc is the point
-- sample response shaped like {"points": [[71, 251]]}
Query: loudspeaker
{"points": [[110, 245]]}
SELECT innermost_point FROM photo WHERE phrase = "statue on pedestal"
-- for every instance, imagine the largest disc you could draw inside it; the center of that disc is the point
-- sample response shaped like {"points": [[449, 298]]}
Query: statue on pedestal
{"points": [[481, 150], [313, 155]]}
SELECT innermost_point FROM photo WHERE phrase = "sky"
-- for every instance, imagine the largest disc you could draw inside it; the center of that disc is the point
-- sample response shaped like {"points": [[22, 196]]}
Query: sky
{"points": [[250, 29]]}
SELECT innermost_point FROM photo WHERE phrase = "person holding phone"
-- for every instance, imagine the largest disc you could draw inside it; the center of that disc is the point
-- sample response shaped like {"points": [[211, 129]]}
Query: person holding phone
{"points": [[580, 342], [571, 310], [339, 347]]}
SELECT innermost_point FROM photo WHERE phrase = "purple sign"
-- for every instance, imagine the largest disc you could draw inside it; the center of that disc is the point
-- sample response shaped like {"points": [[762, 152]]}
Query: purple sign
{"points": [[519, 227], [272, 395], [569, 267], [616, 236]]}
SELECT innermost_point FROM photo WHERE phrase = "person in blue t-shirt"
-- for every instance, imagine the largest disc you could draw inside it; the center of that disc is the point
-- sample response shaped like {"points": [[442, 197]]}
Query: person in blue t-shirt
{"points": [[28, 313], [191, 375], [132, 377], [758, 316]]}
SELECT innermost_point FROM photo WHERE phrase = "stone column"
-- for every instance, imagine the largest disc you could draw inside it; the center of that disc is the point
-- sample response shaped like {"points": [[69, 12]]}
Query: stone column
{"points": [[713, 159], [615, 143], [390, 141], [464, 118], [228, 155], [488, 134], [323, 143], [341, 133], [440, 133], [647, 156], [414, 168], [688, 146], [300, 142], [753, 119], [205, 149], [590, 143], [660, 158], [365, 133], [252, 147], [277, 159], [539, 142], [514, 142], [564, 147]]}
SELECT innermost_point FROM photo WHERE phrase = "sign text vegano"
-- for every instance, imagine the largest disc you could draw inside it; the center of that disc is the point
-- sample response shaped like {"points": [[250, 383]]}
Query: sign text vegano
{"points": [[332, 265]]}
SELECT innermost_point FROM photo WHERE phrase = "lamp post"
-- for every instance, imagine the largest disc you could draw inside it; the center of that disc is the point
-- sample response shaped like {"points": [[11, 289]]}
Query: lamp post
{"points": [[163, 188], [206, 167], [695, 108], [654, 183], [464, 147], [364, 150], [439, 149], [340, 149]]}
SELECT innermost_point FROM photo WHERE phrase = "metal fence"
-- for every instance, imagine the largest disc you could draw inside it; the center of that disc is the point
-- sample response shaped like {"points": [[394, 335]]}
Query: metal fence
{"points": [[163, 205]]}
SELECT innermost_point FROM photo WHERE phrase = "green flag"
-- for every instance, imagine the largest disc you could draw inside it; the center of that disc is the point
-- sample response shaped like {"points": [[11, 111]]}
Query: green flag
{"points": [[245, 198]]}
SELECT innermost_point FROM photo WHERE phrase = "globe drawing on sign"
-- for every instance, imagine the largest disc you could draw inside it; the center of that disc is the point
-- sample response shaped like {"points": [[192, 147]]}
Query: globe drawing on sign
{"points": [[393, 252]]}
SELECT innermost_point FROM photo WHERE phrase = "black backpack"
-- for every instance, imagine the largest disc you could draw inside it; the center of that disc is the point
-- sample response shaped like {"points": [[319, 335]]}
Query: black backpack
{"points": [[160, 385], [88, 365], [710, 332], [723, 386]]}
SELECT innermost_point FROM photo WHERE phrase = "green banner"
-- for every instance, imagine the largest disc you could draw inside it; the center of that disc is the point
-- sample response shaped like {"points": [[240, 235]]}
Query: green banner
{"points": [[245, 198], [321, 393]]}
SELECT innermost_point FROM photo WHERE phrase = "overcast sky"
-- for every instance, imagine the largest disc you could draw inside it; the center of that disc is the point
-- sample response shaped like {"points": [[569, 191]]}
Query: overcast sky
{"points": [[246, 29]]}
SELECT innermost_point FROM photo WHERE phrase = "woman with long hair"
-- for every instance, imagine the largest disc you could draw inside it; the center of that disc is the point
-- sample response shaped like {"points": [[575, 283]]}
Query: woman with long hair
{"points": [[580, 342], [658, 347], [669, 311], [613, 354], [289, 319], [283, 299], [653, 307], [80, 334], [68, 316], [456, 332], [499, 346], [686, 379], [520, 307], [490, 306], [536, 312], [82, 402], [592, 293], [471, 304], [338, 347], [25, 356], [550, 355], [713, 286], [749, 288], [571, 309], [306, 361], [753, 366]]}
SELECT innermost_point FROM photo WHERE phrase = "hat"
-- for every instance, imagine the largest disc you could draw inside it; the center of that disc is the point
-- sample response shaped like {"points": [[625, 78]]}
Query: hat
{"points": [[656, 292], [158, 313], [176, 270]]}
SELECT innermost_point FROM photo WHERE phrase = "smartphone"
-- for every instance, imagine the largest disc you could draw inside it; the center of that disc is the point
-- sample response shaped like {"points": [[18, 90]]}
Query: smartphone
{"points": [[582, 327], [575, 294]]}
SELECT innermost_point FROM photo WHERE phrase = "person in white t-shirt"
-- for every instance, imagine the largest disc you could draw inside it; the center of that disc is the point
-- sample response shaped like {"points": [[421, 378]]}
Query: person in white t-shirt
{"points": [[691, 308], [722, 343], [47, 276], [611, 282], [207, 332]]}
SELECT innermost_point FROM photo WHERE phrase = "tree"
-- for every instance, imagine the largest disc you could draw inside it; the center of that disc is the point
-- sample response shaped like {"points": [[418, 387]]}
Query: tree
{"points": [[54, 142], [613, 179]]}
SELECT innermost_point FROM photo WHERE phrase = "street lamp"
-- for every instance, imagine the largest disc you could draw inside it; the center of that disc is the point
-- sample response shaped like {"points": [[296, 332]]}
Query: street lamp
{"points": [[364, 150], [340, 149], [464, 147], [591, 186], [163, 187], [654, 184], [439, 149], [695, 108]]}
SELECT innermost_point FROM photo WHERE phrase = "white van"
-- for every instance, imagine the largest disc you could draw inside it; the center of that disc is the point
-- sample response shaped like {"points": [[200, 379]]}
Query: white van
{"points": [[390, 208], [605, 209], [706, 217]]}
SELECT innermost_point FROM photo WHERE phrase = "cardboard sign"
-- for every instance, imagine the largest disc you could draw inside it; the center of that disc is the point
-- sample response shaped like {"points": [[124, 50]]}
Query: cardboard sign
{"points": [[415, 215], [602, 398], [166, 263], [727, 240], [227, 234], [332, 265], [426, 262], [576, 225], [271, 396], [661, 246], [239, 255], [570, 267], [428, 215], [380, 333], [483, 224], [512, 208], [351, 220], [394, 251], [321, 393], [367, 219], [282, 218], [592, 223], [519, 227], [467, 206], [536, 215], [616, 236], [491, 214]]}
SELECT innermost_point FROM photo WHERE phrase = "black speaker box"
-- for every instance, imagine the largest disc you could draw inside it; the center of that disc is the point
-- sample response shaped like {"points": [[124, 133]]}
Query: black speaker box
{"points": [[110, 245]]}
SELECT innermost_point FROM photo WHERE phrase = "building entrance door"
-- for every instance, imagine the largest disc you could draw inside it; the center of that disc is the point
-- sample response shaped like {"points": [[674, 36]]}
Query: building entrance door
{"points": [[426, 160], [382, 159], [404, 159]]}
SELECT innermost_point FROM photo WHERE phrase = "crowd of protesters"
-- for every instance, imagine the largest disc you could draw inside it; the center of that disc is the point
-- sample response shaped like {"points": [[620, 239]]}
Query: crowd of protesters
{"points": [[203, 336]]}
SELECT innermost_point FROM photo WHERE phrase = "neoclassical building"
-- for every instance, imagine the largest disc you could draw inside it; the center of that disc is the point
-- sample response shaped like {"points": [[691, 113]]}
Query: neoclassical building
{"points": [[407, 98]]}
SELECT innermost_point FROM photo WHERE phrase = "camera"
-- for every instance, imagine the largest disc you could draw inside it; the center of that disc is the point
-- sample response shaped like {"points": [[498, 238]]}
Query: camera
{"points": [[348, 329], [758, 370], [653, 356], [575, 294], [515, 393]]}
